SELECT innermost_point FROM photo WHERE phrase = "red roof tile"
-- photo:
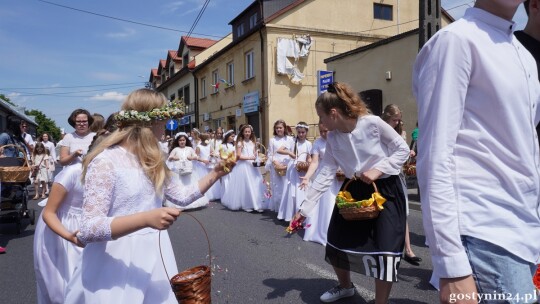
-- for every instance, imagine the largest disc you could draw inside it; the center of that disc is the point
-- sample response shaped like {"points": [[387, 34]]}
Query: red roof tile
{"points": [[163, 63], [198, 42], [191, 65], [174, 55], [154, 72]]}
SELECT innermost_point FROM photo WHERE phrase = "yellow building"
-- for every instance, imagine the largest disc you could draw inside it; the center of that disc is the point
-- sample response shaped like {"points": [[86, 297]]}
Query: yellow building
{"points": [[385, 75], [269, 70]]}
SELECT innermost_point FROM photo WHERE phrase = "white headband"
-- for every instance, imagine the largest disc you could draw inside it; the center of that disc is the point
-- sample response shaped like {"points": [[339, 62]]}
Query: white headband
{"points": [[180, 134], [227, 133], [301, 126]]}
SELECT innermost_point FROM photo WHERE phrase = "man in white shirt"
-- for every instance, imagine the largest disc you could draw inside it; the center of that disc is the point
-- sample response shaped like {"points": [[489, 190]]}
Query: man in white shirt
{"points": [[478, 161], [28, 140]]}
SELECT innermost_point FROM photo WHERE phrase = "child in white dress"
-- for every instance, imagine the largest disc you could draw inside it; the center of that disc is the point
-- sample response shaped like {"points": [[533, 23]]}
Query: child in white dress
{"points": [[228, 147], [277, 181], [180, 158], [56, 248], [204, 164], [292, 194], [40, 159], [246, 187], [125, 181], [319, 220]]}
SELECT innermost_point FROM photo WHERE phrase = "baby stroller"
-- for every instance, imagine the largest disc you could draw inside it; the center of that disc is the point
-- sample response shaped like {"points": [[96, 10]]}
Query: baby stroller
{"points": [[14, 179]]}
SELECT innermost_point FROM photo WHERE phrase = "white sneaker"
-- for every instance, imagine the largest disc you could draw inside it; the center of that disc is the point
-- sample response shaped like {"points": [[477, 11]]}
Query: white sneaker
{"points": [[337, 293]]}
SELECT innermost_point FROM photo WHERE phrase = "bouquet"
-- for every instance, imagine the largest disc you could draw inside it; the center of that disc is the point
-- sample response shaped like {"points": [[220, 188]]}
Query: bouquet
{"points": [[294, 226], [228, 159]]}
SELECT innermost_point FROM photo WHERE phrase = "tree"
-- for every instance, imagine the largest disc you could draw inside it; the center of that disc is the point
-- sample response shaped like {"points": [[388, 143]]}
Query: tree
{"points": [[6, 99], [45, 124]]}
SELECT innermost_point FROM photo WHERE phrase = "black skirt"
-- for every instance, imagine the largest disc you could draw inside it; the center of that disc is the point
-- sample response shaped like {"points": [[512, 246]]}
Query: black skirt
{"points": [[370, 247]]}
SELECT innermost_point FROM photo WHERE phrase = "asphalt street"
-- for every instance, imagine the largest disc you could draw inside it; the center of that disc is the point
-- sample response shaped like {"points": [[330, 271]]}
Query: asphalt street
{"points": [[253, 260]]}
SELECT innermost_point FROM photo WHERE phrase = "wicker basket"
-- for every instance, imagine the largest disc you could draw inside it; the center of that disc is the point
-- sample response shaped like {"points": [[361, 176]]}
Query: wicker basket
{"points": [[16, 174], [261, 157], [360, 213], [280, 168], [302, 166], [409, 168], [194, 285]]}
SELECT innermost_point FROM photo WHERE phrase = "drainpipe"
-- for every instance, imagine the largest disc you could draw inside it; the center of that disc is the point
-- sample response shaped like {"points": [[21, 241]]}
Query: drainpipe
{"points": [[196, 95], [263, 102]]}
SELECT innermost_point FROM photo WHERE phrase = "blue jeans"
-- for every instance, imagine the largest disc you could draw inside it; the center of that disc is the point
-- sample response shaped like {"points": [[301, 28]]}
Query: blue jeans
{"points": [[500, 276]]}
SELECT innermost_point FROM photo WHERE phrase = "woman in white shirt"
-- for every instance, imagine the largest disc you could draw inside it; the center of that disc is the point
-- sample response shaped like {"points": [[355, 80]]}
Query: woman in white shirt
{"points": [[75, 144], [367, 150]]}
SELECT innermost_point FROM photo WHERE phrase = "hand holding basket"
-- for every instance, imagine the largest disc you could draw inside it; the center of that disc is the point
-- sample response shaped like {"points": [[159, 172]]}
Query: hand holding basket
{"points": [[354, 210]]}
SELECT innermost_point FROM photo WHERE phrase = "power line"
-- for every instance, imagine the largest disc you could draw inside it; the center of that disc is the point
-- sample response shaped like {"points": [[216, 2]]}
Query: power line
{"points": [[72, 92], [201, 12], [72, 87], [123, 20]]}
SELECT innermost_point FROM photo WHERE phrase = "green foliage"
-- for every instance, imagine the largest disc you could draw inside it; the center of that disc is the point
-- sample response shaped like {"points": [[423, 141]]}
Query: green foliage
{"points": [[45, 124], [6, 99]]}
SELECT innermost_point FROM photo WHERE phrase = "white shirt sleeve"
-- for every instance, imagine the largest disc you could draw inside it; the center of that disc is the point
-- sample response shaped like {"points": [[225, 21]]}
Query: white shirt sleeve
{"points": [[441, 79]]}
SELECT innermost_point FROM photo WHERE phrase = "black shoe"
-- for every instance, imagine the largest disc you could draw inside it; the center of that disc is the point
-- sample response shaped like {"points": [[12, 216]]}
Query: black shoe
{"points": [[412, 260]]}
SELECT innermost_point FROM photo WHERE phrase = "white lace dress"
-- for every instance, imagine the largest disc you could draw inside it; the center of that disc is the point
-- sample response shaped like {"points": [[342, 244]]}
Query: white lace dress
{"points": [[55, 258], [129, 269]]}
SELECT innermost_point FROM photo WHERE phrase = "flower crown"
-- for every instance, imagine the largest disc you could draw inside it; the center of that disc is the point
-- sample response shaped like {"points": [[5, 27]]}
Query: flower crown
{"points": [[174, 109]]}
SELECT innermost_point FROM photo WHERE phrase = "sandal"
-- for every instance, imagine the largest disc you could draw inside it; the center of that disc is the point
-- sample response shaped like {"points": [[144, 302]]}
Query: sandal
{"points": [[43, 196], [35, 197]]}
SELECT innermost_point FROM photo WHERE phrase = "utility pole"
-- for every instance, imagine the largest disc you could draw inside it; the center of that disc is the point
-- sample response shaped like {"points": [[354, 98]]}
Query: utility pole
{"points": [[430, 20]]}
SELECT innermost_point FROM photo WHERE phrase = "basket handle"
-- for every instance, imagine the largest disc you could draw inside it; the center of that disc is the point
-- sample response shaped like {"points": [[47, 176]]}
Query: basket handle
{"points": [[298, 156], [355, 179], [207, 240], [25, 164]]}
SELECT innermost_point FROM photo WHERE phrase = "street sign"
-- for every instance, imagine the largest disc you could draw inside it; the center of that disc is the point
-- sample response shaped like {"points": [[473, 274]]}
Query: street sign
{"points": [[171, 125], [324, 78]]}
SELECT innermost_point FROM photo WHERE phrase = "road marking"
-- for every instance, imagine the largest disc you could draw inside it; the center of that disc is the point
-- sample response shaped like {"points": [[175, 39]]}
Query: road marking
{"points": [[366, 294]]}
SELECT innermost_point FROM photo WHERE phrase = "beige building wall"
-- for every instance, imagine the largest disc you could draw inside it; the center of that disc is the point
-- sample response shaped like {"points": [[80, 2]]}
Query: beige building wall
{"points": [[367, 70]]}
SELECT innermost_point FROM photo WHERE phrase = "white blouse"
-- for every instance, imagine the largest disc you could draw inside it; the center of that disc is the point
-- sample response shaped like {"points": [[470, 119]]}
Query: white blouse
{"points": [[373, 144]]}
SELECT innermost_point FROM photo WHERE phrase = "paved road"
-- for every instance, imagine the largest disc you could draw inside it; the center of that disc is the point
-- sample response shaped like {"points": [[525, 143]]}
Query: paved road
{"points": [[254, 261]]}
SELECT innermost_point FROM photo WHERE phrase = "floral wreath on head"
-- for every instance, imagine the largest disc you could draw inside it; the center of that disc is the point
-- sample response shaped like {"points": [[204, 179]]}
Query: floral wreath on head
{"points": [[173, 109]]}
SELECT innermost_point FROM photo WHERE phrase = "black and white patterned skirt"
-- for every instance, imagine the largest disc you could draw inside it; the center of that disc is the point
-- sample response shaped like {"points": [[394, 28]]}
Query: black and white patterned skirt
{"points": [[370, 247]]}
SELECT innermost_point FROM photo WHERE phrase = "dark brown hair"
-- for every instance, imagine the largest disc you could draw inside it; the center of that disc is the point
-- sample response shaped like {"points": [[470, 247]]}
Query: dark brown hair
{"points": [[71, 119]]}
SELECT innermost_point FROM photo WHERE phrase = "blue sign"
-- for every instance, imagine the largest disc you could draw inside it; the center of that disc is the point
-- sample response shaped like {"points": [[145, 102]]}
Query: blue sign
{"points": [[324, 78], [171, 125], [185, 120], [251, 102]]}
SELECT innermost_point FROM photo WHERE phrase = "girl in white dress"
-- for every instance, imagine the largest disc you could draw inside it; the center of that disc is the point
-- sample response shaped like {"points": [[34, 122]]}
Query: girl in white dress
{"points": [[203, 165], [75, 145], [40, 159], [319, 220], [125, 181], [246, 187], [292, 194], [277, 182], [56, 248], [182, 154], [215, 144], [228, 147]]}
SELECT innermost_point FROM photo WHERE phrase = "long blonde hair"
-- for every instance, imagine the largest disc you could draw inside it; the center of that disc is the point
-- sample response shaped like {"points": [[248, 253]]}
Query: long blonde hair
{"points": [[138, 135]]}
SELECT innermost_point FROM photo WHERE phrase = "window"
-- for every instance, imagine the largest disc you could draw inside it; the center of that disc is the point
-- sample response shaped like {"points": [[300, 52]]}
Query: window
{"points": [[215, 81], [250, 67], [240, 30], [253, 21], [382, 11], [203, 87], [180, 94], [186, 95], [173, 97], [185, 60], [230, 73], [171, 70]]}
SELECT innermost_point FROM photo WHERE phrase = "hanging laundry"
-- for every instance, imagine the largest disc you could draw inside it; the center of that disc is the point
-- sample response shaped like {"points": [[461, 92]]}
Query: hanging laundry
{"points": [[286, 48], [305, 44]]}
